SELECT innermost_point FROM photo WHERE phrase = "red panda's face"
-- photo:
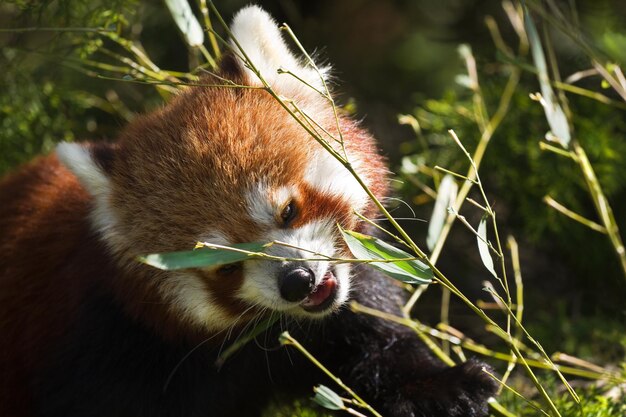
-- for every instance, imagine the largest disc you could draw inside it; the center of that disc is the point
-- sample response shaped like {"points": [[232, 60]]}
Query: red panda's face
{"points": [[227, 166]]}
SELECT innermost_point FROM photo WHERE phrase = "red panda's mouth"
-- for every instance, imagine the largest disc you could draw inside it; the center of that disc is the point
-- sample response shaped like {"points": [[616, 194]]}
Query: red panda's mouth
{"points": [[322, 295]]}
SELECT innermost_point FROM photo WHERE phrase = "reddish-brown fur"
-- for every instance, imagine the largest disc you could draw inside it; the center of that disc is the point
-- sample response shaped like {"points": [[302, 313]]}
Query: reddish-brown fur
{"points": [[222, 136], [44, 217], [43, 222]]}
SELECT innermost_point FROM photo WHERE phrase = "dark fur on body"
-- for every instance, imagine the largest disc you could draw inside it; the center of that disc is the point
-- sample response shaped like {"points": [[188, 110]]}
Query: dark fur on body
{"points": [[112, 366]]}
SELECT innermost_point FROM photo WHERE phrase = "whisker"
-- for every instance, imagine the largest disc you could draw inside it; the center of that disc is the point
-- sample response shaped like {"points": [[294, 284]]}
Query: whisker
{"points": [[184, 358], [402, 202], [265, 351], [251, 324], [232, 326]]}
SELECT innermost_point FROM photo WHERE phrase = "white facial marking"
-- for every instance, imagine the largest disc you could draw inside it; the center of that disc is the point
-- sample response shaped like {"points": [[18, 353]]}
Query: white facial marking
{"points": [[78, 159], [264, 203], [259, 205], [282, 195], [192, 299], [327, 175]]}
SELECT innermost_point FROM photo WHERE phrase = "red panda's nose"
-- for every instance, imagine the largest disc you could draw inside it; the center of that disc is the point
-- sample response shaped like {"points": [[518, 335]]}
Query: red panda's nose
{"points": [[296, 284]]}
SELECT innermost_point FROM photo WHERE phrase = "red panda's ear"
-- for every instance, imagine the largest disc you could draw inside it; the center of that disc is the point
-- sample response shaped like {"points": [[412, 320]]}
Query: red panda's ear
{"points": [[91, 163], [260, 40]]}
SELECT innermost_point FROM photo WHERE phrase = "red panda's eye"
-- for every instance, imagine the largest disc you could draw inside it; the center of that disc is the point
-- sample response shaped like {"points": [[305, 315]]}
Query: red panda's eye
{"points": [[288, 213], [229, 269]]}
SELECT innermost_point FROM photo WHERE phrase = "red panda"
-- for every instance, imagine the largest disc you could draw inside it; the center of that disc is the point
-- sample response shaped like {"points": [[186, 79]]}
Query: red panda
{"points": [[87, 330]]}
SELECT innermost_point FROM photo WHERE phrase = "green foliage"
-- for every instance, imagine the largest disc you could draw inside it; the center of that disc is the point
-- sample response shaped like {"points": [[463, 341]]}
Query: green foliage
{"points": [[368, 247], [33, 117], [203, 256], [594, 403], [41, 102], [598, 338], [520, 174], [328, 398], [74, 13]]}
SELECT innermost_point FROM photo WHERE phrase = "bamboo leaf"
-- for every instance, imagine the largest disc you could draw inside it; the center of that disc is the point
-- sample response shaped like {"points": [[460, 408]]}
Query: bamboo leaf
{"points": [[202, 257], [186, 21], [368, 247], [328, 398], [554, 113], [483, 247], [446, 194]]}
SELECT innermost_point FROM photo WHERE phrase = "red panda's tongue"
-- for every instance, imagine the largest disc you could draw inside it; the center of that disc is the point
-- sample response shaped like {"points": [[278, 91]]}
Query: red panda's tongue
{"points": [[322, 291]]}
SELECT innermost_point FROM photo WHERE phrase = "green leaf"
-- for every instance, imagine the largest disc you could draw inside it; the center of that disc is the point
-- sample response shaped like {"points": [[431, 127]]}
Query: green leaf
{"points": [[328, 398], [483, 247], [203, 257], [368, 247], [554, 113], [446, 194], [186, 21]]}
